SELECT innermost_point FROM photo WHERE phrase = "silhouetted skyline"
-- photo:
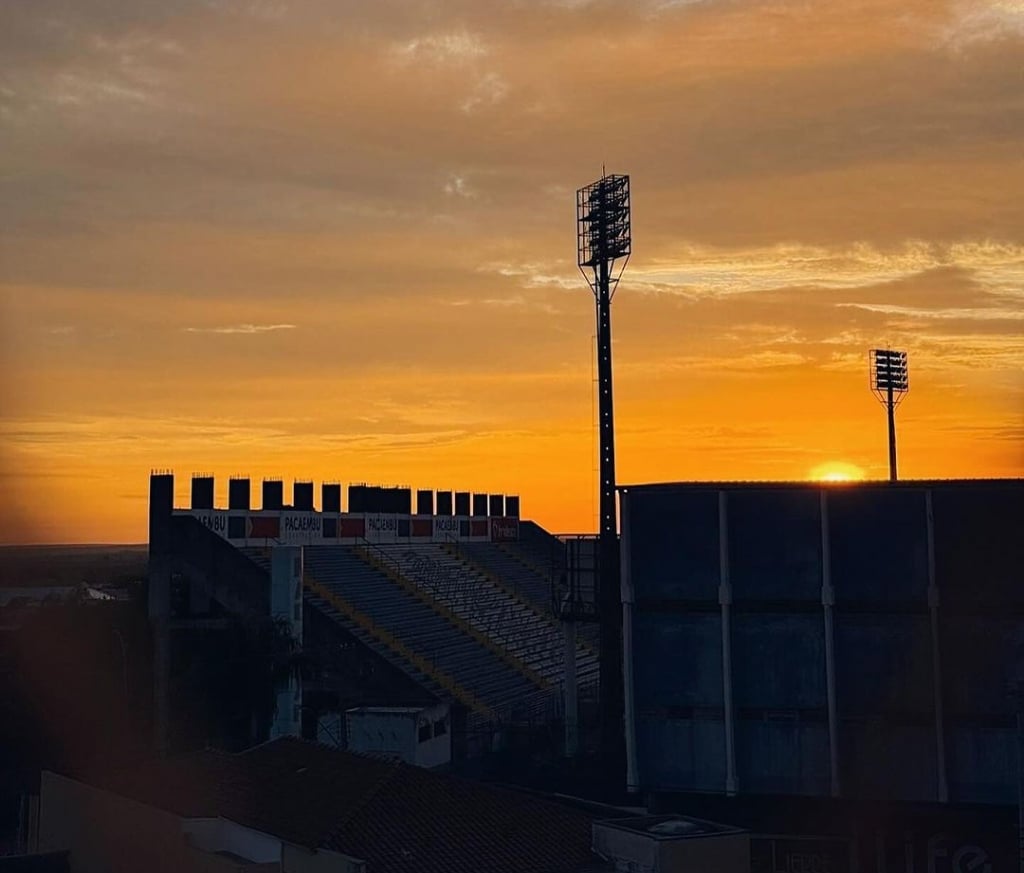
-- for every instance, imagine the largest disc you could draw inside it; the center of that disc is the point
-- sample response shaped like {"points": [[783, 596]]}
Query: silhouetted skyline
{"points": [[307, 240]]}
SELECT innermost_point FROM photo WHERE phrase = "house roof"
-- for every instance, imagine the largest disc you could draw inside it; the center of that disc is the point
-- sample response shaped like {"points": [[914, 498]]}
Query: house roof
{"points": [[394, 816]]}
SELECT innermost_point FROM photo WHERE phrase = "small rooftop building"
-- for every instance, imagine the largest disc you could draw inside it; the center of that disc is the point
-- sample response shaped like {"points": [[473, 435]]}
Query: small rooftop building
{"points": [[417, 735]]}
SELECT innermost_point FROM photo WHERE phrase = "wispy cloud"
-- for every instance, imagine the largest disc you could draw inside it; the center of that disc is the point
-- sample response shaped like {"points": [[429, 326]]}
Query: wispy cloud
{"points": [[489, 90], [694, 269], [456, 47], [458, 186], [985, 20], [241, 328]]}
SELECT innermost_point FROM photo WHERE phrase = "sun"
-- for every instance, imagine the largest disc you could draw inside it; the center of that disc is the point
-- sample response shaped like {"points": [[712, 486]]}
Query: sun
{"points": [[836, 471]]}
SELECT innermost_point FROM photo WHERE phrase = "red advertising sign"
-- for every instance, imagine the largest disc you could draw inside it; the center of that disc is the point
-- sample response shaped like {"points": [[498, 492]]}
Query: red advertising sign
{"points": [[264, 527], [352, 527]]}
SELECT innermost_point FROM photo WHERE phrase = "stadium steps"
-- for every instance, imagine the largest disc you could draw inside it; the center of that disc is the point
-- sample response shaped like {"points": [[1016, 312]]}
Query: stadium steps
{"points": [[426, 674], [389, 561], [487, 561], [509, 571], [515, 572], [496, 613], [543, 554], [421, 665], [419, 628], [516, 625]]}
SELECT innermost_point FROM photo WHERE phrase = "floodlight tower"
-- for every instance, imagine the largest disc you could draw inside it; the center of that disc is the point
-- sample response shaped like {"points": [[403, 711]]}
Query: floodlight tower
{"points": [[603, 249], [889, 383]]}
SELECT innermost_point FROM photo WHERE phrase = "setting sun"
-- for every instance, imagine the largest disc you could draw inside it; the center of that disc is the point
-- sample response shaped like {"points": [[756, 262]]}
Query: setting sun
{"points": [[836, 471]]}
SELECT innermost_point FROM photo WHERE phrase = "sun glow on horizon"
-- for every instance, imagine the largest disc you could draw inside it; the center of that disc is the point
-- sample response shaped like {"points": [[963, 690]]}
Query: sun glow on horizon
{"points": [[837, 471]]}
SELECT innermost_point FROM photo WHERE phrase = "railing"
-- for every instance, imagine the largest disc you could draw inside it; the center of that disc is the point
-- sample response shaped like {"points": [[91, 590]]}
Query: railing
{"points": [[423, 665], [376, 556], [381, 556], [497, 578]]}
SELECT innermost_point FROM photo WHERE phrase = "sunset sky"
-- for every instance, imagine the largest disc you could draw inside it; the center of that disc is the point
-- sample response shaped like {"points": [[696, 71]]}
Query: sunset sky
{"points": [[336, 239]]}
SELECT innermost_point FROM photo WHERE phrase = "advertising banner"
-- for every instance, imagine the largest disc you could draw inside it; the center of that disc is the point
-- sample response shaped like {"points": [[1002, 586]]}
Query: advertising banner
{"points": [[504, 530], [264, 527], [351, 528], [446, 528], [213, 519], [301, 528], [304, 528]]}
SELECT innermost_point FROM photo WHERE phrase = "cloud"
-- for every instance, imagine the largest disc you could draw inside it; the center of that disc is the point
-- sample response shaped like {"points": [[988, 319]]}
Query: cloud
{"points": [[458, 186], [810, 178], [977, 21], [991, 313], [241, 328], [457, 47], [692, 269], [489, 90]]}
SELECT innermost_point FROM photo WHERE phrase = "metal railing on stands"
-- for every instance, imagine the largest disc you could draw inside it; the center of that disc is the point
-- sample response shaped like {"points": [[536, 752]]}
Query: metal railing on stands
{"points": [[499, 581], [381, 560], [445, 583], [423, 665]]}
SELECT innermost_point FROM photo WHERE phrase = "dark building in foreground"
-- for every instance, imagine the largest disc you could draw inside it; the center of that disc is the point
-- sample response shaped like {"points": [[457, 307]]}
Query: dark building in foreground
{"points": [[790, 643], [296, 806]]}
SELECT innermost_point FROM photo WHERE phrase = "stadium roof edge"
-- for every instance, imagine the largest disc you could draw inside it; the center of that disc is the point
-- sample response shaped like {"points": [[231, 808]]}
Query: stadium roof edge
{"points": [[741, 484]]}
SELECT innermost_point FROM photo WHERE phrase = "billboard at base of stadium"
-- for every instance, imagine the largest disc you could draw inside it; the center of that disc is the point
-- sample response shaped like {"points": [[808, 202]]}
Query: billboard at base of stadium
{"points": [[292, 527]]}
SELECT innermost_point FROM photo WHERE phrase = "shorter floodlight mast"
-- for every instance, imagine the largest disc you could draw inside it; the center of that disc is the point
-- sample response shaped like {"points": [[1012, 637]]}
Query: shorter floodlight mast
{"points": [[889, 383]]}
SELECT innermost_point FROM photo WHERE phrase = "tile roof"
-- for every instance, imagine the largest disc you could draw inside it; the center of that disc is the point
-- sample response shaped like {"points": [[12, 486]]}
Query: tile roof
{"points": [[394, 816]]}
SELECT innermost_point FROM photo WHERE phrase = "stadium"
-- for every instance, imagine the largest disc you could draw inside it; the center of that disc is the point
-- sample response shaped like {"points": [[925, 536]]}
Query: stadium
{"points": [[452, 606], [829, 662], [835, 668]]}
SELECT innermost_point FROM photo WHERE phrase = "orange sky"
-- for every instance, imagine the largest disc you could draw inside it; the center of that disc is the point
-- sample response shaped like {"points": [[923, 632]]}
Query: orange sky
{"points": [[335, 240]]}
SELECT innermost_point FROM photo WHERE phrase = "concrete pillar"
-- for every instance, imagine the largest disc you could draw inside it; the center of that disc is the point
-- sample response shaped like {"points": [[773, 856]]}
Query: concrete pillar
{"points": [[725, 604]]}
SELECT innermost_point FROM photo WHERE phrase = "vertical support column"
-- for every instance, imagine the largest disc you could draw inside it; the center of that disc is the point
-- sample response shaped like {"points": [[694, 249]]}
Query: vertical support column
{"points": [[572, 738], [161, 512], [1020, 789], [286, 572], [629, 696], [933, 611], [890, 407], [161, 625], [828, 599], [609, 594], [725, 603]]}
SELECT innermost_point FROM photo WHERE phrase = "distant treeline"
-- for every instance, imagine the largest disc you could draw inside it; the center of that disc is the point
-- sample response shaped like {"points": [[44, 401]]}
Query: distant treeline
{"points": [[71, 565]]}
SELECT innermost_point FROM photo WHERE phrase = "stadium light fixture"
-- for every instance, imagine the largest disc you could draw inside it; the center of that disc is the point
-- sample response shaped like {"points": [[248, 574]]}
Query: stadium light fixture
{"points": [[890, 383], [604, 244]]}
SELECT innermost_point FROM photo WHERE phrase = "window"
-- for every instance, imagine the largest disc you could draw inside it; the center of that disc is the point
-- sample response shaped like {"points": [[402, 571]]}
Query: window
{"points": [[440, 728], [424, 731]]}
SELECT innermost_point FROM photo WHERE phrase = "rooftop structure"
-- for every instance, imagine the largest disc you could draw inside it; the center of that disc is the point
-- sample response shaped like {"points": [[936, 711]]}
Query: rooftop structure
{"points": [[297, 804]]}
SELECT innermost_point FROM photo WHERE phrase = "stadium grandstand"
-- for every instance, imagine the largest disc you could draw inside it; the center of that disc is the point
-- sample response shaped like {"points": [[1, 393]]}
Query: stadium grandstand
{"points": [[454, 603]]}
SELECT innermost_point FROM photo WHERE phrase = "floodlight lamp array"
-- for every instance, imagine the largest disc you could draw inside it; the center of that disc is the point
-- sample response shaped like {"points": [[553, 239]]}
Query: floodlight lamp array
{"points": [[889, 373], [603, 221]]}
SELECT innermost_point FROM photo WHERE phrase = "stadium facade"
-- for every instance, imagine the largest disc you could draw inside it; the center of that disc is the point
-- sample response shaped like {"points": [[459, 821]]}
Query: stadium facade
{"points": [[848, 653], [832, 667]]}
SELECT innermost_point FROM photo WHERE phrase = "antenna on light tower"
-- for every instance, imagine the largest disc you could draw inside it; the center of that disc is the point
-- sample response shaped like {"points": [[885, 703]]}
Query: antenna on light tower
{"points": [[889, 383], [604, 244]]}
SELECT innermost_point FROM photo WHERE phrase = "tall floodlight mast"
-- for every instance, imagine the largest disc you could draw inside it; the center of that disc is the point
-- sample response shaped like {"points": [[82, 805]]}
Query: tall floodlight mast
{"points": [[603, 237], [889, 383]]}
